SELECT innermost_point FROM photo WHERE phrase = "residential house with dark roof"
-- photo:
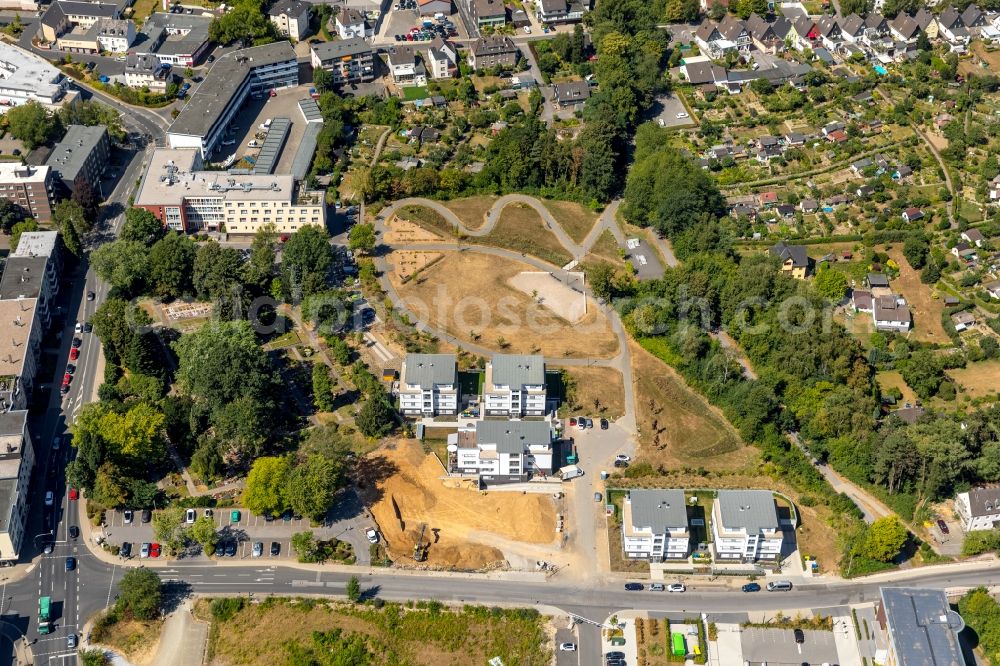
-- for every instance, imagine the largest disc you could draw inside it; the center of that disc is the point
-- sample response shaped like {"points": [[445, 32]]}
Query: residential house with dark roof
{"points": [[974, 236], [571, 93], [80, 158], [501, 451], [891, 314], [794, 258], [952, 29], [560, 11], [701, 72], [491, 13], [655, 525], [829, 32], [735, 30], [443, 59], [808, 205], [912, 214], [861, 299], [978, 508], [973, 17], [745, 526], [904, 28], [492, 51], [804, 33], [350, 23]]}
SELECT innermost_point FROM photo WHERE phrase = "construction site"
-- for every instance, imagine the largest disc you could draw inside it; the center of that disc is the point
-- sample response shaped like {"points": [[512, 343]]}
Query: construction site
{"points": [[429, 520]]}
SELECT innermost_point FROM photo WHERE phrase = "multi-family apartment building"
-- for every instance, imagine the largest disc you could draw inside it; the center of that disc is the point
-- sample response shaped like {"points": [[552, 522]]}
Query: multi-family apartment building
{"points": [[348, 60], [745, 526], [406, 68], [493, 51], [291, 18], [234, 77], [560, 11], [428, 385], [443, 59], [30, 187], [175, 39], [20, 348], [514, 386], [17, 457], [72, 16], [26, 77], [655, 525], [146, 71], [919, 628], [80, 158], [351, 23], [501, 451], [186, 198], [489, 13], [978, 508]]}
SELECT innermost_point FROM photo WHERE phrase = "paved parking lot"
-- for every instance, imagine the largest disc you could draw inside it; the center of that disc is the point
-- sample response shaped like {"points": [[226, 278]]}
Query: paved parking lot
{"points": [[400, 21], [255, 112], [778, 647], [667, 107], [643, 257]]}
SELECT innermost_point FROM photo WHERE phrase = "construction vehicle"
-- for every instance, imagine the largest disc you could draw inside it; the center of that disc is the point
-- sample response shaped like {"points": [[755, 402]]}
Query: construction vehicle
{"points": [[420, 548]]}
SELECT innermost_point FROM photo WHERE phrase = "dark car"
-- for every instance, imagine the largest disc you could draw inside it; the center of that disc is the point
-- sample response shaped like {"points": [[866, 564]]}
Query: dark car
{"points": [[146, 515], [74, 531], [275, 548], [87, 327], [70, 369], [91, 295], [943, 526], [77, 342], [220, 549], [70, 563], [751, 587], [230, 549], [125, 550], [633, 587], [604, 424], [287, 516], [800, 636], [615, 655], [621, 463]]}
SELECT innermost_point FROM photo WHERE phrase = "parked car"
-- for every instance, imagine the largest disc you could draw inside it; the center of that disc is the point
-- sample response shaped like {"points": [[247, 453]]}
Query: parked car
{"points": [[597, 497], [372, 535], [621, 463], [220, 549], [127, 516], [74, 354], [682, 114], [657, 587], [676, 587], [751, 587], [235, 516], [800, 636], [77, 342], [943, 526], [258, 549], [154, 550], [633, 587], [567, 647], [146, 516], [623, 457], [230, 549], [70, 369], [275, 548], [190, 515], [604, 424], [125, 550], [78, 328], [56, 442], [74, 531], [144, 550]]}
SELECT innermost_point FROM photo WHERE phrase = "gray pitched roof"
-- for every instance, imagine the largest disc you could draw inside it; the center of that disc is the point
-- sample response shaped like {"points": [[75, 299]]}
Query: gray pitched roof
{"points": [[513, 436], [340, 48], [518, 370], [852, 24], [950, 18], [984, 501], [658, 509], [922, 627], [293, 8], [571, 91], [797, 253], [753, 510], [426, 370], [877, 280]]}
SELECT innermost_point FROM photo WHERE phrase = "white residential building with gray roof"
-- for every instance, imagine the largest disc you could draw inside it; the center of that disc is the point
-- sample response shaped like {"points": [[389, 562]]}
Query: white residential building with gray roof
{"points": [[979, 508], [501, 451], [428, 385], [514, 386], [745, 526], [655, 525], [921, 628]]}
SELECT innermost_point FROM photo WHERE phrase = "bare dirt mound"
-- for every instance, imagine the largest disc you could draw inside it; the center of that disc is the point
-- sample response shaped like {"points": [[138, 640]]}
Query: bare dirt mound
{"points": [[415, 495]]}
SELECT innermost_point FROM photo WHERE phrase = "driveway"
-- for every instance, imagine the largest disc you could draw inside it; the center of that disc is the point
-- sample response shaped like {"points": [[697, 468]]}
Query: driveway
{"points": [[666, 109], [564, 635]]}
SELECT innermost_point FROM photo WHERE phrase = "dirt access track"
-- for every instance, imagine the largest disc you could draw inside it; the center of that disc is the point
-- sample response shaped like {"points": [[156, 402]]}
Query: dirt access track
{"points": [[462, 524]]}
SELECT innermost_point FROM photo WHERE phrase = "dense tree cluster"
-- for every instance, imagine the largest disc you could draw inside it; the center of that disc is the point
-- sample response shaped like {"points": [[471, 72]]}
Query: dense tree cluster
{"points": [[244, 19], [981, 613]]}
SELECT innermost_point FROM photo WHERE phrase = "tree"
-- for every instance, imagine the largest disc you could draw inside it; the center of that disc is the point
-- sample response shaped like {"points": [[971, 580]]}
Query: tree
{"points": [[831, 284], [10, 214], [260, 267], [353, 589], [142, 226], [169, 528], [322, 79], [264, 491], [171, 265], [18, 229], [244, 20], [90, 112], [217, 271], [681, 11], [305, 261], [859, 7], [312, 486], [916, 249], [375, 418], [885, 539], [139, 594], [322, 387], [109, 490], [362, 238], [203, 531], [70, 212], [124, 264], [31, 123], [305, 546], [94, 657]]}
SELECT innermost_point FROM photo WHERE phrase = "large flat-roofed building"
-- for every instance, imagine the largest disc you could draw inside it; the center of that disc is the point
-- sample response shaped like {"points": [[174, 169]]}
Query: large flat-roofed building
{"points": [[655, 525], [502, 451], [428, 385], [234, 77], [920, 626], [80, 157], [514, 386], [348, 60], [17, 457], [29, 277], [30, 187], [175, 39], [745, 526], [20, 347], [38, 244], [25, 77], [186, 198]]}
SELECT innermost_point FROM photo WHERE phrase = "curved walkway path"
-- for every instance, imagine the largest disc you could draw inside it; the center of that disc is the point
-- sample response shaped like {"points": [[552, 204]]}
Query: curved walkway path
{"points": [[622, 362], [577, 251]]}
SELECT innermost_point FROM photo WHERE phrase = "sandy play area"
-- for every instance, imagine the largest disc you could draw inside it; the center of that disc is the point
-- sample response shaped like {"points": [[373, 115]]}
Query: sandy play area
{"points": [[566, 300], [405, 263], [403, 231], [461, 523]]}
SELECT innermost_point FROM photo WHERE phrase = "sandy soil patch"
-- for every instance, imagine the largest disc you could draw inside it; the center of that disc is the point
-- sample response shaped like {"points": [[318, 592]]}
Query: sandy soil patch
{"points": [[566, 300], [461, 523], [978, 379], [599, 391], [892, 379], [472, 210], [468, 295], [576, 220], [403, 231], [406, 263], [678, 427], [926, 309]]}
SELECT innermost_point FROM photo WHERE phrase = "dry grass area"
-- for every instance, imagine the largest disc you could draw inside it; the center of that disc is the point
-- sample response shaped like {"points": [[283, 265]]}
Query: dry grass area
{"points": [[459, 520], [405, 231], [136, 640], [599, 391], [407, 263], [281, 631], [888, 379], [605, 249], [467, 295], [521, 229], [978, 379], [576, 220], [678, 427], [926, 309], [472, 210]]}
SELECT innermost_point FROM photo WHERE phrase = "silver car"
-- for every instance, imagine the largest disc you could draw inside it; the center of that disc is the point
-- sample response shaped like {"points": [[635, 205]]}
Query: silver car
{"points": [[258, 549]]}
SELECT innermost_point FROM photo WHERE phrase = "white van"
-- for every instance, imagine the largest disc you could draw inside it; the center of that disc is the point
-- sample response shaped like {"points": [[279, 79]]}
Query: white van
{"points": [[779, 586], [570, 472]]}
